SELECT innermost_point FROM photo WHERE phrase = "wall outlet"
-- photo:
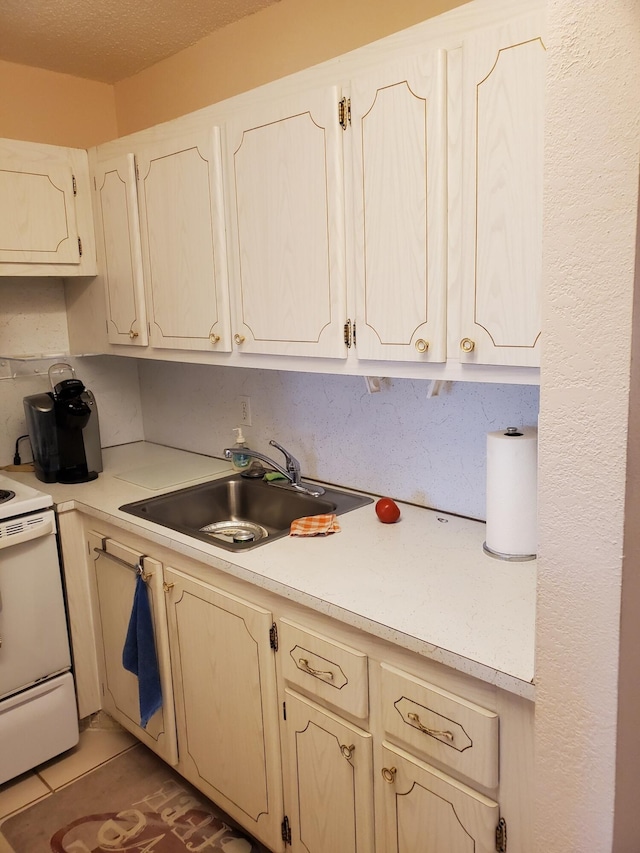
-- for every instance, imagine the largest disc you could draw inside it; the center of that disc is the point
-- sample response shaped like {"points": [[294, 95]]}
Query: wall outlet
{"points": [[244, 411]]}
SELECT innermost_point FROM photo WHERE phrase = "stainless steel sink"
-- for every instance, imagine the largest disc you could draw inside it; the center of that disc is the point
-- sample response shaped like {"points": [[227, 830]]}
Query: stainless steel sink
{"points": [[239, 513]]}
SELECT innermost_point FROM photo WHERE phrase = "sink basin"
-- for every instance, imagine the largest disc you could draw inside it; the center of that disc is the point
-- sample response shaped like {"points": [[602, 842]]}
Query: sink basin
{"points": [[238, 513]]}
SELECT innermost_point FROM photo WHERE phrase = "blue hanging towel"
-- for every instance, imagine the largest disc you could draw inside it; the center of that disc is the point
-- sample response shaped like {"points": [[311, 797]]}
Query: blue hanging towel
{"points": [[139, 654]]}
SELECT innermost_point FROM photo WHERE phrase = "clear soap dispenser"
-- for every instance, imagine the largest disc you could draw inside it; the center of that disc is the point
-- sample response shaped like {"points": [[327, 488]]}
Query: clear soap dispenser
{"points": [[240, 461]]}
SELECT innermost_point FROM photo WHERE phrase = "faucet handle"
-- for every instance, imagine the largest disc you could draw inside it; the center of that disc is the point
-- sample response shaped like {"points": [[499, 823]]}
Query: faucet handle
{"points": [[293, 466]]}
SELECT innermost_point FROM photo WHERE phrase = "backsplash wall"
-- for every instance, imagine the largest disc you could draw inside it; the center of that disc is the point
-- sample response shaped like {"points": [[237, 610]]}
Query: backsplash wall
{"points": [[398, 442], [33, 322], [114, 382]]}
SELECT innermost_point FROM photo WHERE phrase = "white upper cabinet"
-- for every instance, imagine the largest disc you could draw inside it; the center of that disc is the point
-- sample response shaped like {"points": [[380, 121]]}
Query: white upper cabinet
{"points": [[183, 242], [503, 121], [380, 213], [40, 223], [45, 215], [399, 138], [118, 233], [286, 226]]}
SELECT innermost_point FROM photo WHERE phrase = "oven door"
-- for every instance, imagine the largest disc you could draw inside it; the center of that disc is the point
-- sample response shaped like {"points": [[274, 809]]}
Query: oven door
{"points": [[34, 642]]}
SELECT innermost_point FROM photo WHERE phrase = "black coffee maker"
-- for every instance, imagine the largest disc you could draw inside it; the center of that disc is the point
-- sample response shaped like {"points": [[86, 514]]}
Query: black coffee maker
{"points": [[64, 430]]}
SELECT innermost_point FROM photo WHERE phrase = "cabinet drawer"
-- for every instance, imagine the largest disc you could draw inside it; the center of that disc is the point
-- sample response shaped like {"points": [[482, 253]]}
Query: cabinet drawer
{"points": [[324, 668], [440, 725]]}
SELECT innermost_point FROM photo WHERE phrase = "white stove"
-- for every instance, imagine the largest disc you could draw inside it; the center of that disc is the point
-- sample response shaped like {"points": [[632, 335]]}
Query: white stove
{"points": [[18, 499], [38, 718]]}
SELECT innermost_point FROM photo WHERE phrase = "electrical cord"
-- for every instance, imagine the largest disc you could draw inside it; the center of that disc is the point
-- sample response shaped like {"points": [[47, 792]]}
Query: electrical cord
{"points": [[16, 456]]}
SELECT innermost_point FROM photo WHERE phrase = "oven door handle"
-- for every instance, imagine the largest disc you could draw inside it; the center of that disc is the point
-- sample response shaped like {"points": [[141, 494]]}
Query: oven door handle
{"points": [[47, 526]]}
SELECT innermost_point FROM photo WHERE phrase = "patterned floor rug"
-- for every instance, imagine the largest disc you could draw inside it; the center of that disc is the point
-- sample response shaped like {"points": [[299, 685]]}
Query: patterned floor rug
{"points": [[134, 803]]}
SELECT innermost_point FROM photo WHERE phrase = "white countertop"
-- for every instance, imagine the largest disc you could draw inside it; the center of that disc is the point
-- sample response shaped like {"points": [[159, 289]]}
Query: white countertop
{"points": [[424, 582]]}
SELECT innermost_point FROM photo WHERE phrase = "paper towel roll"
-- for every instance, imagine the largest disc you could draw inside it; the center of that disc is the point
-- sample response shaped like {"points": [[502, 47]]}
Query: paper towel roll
{"points": [[512, 493]]}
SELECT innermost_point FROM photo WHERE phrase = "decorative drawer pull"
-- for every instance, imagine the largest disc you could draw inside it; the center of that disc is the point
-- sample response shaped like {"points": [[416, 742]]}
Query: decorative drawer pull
{"points": [[214, 338], [303, 663], [347, 751], [239, 339], [433, 732], [422, 345], [467, 345], [389, 774], [167, 586], [133, 334]]}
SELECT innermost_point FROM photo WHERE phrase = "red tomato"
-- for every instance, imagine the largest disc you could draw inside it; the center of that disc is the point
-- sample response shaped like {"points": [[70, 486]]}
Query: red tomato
{"points": [[387, 510]]}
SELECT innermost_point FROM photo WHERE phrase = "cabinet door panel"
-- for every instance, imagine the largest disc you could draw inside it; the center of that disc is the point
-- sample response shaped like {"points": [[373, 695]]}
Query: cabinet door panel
{"points": [[119, 236], [183, 242], [287, 227], [226, 704], [331, 775], [399, 155], [37, 217], [428, 811], [115, 586], [503, 81]]}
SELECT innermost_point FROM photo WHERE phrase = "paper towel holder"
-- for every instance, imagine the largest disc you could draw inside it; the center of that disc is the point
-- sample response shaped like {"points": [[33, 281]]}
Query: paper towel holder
{"points": [[511, 558]]}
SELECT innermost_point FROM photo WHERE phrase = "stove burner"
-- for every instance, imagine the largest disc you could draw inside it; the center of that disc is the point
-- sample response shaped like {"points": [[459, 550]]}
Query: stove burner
{"points": [[6, 495]]}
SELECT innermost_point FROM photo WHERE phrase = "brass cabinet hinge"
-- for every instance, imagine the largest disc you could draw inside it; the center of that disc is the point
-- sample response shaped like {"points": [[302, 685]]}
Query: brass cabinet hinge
{"points": [[344, 112], [80, 246], [501, 836], [273, 637], [286, 830], [350, 333], [74, 185]]}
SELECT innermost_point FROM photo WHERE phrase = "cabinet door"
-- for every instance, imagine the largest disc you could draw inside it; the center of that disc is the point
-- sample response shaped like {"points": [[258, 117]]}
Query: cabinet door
{"points": [[226, 703], [428, 811], [119, 242], [400, 210], [503, 121], [115, 578], [183, 242], [287, 229], [330, 781], [37, 215]]}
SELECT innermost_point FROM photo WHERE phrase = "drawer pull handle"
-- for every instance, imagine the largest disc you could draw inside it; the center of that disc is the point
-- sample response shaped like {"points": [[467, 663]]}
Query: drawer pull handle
{"points": [[347, 751], [415, 719], [214, 338], [167, 586], [467, 345], [239, 339], [132, 334], [422, 345], [389, 774], [319, 673]]}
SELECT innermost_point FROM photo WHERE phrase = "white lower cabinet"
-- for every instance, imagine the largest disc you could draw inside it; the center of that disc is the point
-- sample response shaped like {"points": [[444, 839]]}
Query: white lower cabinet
{"points": [[426, 811], [313, 736], [226, 703], [330, 781], [114, 574], [425, 808]]}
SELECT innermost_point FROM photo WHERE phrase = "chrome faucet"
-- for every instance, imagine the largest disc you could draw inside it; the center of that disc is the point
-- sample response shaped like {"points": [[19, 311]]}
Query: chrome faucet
{"points": [[291, 471]]}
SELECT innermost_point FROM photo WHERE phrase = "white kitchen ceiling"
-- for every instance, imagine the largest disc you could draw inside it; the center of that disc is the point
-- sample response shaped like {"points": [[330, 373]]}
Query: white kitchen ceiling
{"points": [[109, 40]]}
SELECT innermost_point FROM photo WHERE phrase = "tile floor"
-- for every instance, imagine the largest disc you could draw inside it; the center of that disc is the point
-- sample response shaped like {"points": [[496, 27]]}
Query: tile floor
{"points": [[95, 747]]}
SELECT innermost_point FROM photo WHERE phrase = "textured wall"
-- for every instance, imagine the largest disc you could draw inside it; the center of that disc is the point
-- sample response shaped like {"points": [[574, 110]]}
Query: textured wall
{"points": [[33, 322], [591, 186], [399, 442]]}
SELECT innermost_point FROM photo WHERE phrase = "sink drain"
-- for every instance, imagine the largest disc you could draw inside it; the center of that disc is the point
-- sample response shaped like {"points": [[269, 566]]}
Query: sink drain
{"points": [[237, 532]]}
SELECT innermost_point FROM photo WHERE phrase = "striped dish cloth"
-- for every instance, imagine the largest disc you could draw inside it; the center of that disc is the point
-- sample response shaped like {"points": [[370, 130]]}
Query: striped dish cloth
{"points": [[315, 525]]}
